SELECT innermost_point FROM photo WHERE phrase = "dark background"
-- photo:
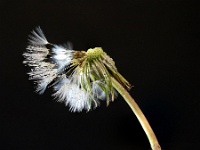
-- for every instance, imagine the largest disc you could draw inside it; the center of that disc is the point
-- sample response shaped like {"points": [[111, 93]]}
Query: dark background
{"points": [[155, 45]]}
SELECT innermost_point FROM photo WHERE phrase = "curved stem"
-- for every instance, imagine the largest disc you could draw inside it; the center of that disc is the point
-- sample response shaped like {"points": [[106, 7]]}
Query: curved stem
{"points": [[140, 116]]}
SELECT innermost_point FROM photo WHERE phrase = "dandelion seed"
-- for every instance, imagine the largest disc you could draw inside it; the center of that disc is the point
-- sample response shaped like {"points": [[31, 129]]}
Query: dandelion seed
{"points": [[61, 56], [38, 37]]}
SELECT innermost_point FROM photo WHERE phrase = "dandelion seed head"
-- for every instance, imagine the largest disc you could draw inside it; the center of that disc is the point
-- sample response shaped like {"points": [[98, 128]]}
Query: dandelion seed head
{"points": [[80, 79]]}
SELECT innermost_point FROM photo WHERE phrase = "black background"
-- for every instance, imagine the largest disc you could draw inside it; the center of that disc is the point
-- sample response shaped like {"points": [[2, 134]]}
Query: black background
{"points": [[155, 45]]}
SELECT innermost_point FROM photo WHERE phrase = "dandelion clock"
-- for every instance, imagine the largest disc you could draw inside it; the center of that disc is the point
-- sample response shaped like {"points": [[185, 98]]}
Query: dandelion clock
{"points": [[80, 79]]}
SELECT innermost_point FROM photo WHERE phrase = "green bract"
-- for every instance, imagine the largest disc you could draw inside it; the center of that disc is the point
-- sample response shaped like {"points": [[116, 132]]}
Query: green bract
{"points": [[95, 66]]}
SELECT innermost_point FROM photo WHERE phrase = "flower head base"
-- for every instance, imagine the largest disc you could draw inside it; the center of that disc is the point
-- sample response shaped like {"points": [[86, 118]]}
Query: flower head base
{"points": [[94, 53], [80, 79]]}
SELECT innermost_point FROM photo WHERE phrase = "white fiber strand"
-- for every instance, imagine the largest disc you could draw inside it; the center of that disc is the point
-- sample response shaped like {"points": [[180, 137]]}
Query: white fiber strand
{"points": [[38, 37]]}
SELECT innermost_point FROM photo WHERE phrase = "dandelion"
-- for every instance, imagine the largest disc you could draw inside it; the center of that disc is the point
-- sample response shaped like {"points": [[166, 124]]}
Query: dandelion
{"points": [[80, 79]]}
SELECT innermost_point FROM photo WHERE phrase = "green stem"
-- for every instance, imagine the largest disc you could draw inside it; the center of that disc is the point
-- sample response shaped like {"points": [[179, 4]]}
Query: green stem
{"points": [[140, 116]]}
